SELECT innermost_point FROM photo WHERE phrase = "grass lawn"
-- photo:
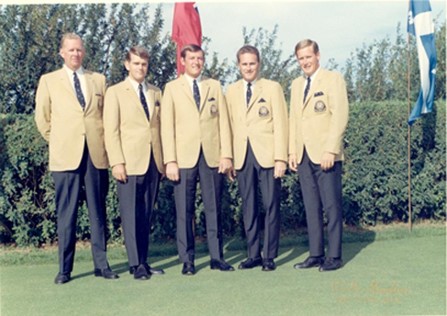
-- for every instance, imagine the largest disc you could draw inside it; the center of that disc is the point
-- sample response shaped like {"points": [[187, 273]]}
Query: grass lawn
{"points": [[388, 271]]}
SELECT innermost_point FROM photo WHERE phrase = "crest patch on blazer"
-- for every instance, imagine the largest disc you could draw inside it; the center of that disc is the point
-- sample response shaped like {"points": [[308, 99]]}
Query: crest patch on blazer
{"points": [[319, 106], [214, 110], [263, 111]]}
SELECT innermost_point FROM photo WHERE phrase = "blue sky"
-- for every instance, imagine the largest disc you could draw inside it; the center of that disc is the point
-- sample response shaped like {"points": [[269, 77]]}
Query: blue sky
{"points": [[338, 26]]}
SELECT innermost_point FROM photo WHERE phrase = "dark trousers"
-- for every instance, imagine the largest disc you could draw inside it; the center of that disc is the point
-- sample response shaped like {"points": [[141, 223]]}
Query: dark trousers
{"points": [[136, 201], [68, 189], [185, 195], [322, 190], [251, 178]]}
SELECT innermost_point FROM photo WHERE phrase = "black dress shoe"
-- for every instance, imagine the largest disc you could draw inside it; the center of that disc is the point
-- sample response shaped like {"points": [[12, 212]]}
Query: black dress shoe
{"points": [[220, 265], [268, 265], [141, 273], [310, 262], [62, 278], [151, 270], [331, 264], [188, 268], [106, 273], [250, 263]]}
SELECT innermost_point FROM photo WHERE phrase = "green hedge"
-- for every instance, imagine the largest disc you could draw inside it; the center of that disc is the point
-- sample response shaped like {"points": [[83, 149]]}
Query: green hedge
{"points": [[374, 184]]}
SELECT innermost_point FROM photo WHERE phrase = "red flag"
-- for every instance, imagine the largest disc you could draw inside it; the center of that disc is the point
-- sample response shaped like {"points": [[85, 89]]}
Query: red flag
{"points": [[186, 28]]}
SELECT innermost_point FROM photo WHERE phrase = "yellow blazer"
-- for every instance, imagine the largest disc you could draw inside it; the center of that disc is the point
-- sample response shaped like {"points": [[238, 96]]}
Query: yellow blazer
{"points": [[185, 129], [321, 122], [130, 138], [263, 123], [62, 122]]}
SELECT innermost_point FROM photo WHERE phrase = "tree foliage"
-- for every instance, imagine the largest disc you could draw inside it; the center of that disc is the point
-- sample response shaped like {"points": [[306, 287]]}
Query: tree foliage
{"points": [[30, 39], [378, 71]]}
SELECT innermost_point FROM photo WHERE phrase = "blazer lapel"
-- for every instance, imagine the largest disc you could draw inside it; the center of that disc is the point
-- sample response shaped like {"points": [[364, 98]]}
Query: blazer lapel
{"points": [[187, 90], [65, 81], [204, 92], [134, 98], [151, 104], [89, 93], [257, 91]]}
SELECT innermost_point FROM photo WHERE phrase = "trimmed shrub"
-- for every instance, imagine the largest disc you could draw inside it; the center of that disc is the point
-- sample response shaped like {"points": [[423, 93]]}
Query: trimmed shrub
{"points": [[375, 188]]}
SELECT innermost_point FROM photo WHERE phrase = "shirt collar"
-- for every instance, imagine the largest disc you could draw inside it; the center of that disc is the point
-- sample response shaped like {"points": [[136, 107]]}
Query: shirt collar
{"points": [[312, 77], [191, 79], [79, 71], [135, 84], [253, 83]]}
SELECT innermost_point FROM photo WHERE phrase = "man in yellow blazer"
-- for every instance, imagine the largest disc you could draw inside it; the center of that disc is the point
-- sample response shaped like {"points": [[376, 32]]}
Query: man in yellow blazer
{"points": [[258, 115], [318, 119], [69, 106], [196, 138], [132, 138]]}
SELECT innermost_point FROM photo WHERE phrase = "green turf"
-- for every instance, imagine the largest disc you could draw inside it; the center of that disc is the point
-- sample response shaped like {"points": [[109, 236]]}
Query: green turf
{"points": [[387, 273]]}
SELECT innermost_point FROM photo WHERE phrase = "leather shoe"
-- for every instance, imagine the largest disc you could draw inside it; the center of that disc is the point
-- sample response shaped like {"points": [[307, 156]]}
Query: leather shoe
{"points": [[220, 265], [62, 278], [331, 264], [310, 262], [149, 269], [250, 263], [188, 268], [106, 273], [268, 265], [141, 273]]}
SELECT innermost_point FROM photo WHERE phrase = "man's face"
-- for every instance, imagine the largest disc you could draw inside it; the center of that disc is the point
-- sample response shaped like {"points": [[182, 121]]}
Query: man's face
{"points": [[308, 60], [193, 63], [249, 66], [73, 53], [137, 67]]}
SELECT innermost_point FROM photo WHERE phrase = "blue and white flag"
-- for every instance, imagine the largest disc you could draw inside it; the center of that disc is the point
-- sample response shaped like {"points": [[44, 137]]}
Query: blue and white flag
{"points": [[420, 25]]}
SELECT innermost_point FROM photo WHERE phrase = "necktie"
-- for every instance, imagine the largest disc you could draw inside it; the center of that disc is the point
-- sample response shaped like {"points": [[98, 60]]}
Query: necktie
{"points": [[196, 92], [143, 100], [306, 90], [248, 96], [78, 90]]}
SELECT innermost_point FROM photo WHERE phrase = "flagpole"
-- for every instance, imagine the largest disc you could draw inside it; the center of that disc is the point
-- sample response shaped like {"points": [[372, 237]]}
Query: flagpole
{"points": [[410, 222]]}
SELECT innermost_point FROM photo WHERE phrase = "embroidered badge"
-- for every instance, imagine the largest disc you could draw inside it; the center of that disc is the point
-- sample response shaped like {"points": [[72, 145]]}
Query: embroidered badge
{"points": [[263, 111], [214, 110], [320, 106]]}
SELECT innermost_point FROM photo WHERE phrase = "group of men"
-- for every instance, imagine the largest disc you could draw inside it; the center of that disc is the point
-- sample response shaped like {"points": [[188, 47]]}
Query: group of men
{"points": [[193, 133]]}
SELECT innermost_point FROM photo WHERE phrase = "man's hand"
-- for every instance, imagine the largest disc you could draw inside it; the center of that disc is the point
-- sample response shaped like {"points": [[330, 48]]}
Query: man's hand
{"points": [[172, 171], [226, 167], [327, 161], [280, 169], [119, 172], [293, 165]]}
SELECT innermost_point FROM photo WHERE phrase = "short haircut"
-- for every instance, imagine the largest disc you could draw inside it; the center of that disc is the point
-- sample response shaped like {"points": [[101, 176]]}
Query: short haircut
{"points": [[70, 36], [248, 49], [139, 51], [306, 43], [192, 48]]}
